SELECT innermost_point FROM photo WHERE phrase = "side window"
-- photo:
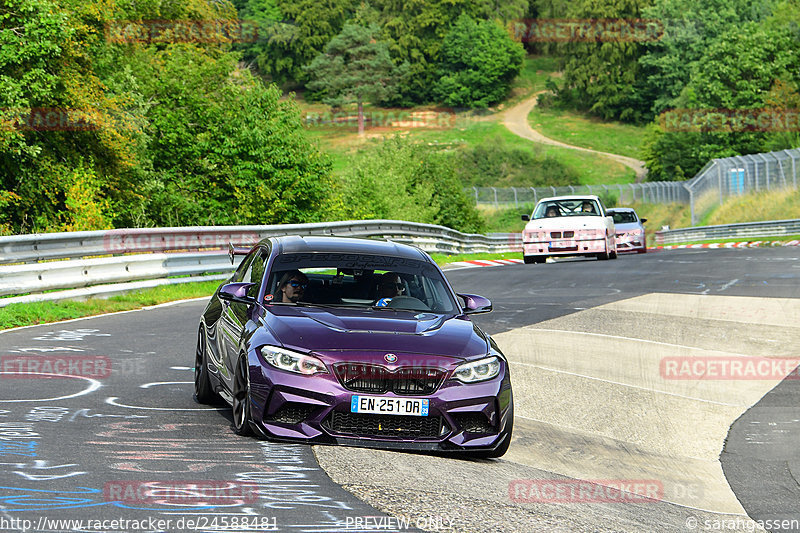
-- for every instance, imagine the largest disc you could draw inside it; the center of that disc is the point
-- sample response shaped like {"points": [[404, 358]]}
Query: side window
{"points": [[257, 269], [254, 271], [244, 267]]}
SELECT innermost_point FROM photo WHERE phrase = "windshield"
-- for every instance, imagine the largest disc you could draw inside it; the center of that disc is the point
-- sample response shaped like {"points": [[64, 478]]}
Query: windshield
{"points": [[566, 208], [359, 281], [623, 217]]}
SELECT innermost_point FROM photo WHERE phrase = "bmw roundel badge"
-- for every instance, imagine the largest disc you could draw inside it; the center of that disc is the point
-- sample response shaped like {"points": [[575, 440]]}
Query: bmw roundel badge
{"points": [[390, 358]]}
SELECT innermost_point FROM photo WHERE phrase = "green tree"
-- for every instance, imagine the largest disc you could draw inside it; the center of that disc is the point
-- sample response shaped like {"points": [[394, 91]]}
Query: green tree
{"points": [[415, 31], [49, 54], [398, 179], [222, 148], [477, 64], [355, 68], [603, 76], [763, 55], [292, 34], [689, 27]]}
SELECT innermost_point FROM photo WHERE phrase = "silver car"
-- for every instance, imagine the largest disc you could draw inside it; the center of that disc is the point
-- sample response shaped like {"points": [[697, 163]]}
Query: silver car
{"points": [[630, 230]]}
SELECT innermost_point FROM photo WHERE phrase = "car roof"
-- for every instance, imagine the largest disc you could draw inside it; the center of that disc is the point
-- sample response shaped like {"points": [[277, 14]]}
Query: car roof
{"points": [[621, 209], [330, 244], [571, 197]]}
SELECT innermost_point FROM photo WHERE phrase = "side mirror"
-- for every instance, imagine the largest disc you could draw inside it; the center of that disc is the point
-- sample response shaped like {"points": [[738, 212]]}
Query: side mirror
{"points": [[474, 304], [236, 292], [526, 217], [642, 220]]}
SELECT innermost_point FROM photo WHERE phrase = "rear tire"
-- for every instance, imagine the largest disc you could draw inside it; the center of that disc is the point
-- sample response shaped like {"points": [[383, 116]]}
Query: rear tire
{"points": [[642, 251], [241, 399], [203, 392]]}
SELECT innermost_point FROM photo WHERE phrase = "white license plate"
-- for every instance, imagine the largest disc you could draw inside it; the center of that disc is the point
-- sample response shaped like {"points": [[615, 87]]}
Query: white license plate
{"points": [[380, 405], [563, 244]]}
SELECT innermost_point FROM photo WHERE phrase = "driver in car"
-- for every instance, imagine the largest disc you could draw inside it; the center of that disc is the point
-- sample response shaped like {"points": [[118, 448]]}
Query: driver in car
{"points": [[292, 286], [389, 287]]}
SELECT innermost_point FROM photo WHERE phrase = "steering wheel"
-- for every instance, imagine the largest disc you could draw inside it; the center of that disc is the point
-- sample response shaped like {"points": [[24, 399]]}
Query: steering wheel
{"points": [[407, 302]]}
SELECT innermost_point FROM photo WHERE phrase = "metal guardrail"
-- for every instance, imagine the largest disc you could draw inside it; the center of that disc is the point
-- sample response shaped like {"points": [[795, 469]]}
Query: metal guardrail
{"points": [[49, 246], [744, 230], [44, 262]]}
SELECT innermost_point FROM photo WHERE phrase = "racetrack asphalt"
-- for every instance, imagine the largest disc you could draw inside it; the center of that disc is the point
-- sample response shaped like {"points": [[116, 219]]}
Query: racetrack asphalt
{"points": [[67, 443]]}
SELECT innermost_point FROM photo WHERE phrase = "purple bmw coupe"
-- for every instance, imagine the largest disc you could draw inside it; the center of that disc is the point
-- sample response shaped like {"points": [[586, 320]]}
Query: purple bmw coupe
{"points": [[355, 342]]}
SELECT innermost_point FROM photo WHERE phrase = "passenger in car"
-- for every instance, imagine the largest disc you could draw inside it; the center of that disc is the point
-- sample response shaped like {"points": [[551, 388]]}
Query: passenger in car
{"points": [[552, 211], [390, 285]]}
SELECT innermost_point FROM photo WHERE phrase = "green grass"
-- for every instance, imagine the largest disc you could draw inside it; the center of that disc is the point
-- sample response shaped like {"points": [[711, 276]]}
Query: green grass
{"points": [[761, 206], [782, 238], [588, 132], [27, 314], [443, 259], [535, 72], [591, 169], [473, 130], [504, 219]]}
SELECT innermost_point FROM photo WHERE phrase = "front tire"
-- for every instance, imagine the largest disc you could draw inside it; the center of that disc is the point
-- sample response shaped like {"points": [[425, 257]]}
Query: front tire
{"points": [[203, 392], [530, 259], [241, 399], [606, 255]]}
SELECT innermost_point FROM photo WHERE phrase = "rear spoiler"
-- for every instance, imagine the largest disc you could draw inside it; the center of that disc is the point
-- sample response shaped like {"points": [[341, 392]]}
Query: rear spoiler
{"points": [[233, 252]]}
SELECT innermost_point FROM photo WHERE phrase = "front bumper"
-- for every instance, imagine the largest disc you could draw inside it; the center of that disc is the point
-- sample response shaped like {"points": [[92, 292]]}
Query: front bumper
{"points": [[564, 247], [316, 409], [630, 244]]}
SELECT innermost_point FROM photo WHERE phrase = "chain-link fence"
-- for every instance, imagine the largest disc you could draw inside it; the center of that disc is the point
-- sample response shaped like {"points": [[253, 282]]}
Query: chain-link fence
{"points": [[719, 179], [654, 192], [722, 178]]}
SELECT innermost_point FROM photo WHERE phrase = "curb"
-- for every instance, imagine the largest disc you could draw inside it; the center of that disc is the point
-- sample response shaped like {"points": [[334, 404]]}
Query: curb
{"points": [[742, 244], [481, 263]]}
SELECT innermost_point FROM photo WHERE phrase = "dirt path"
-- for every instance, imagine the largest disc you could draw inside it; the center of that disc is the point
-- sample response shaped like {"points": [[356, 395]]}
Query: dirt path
{"points": [[516, 120]]}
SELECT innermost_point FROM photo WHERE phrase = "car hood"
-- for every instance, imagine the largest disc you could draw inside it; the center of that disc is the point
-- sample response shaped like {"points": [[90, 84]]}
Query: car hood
{"points": [[308, 329], [572, 222], [628, 226]]}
